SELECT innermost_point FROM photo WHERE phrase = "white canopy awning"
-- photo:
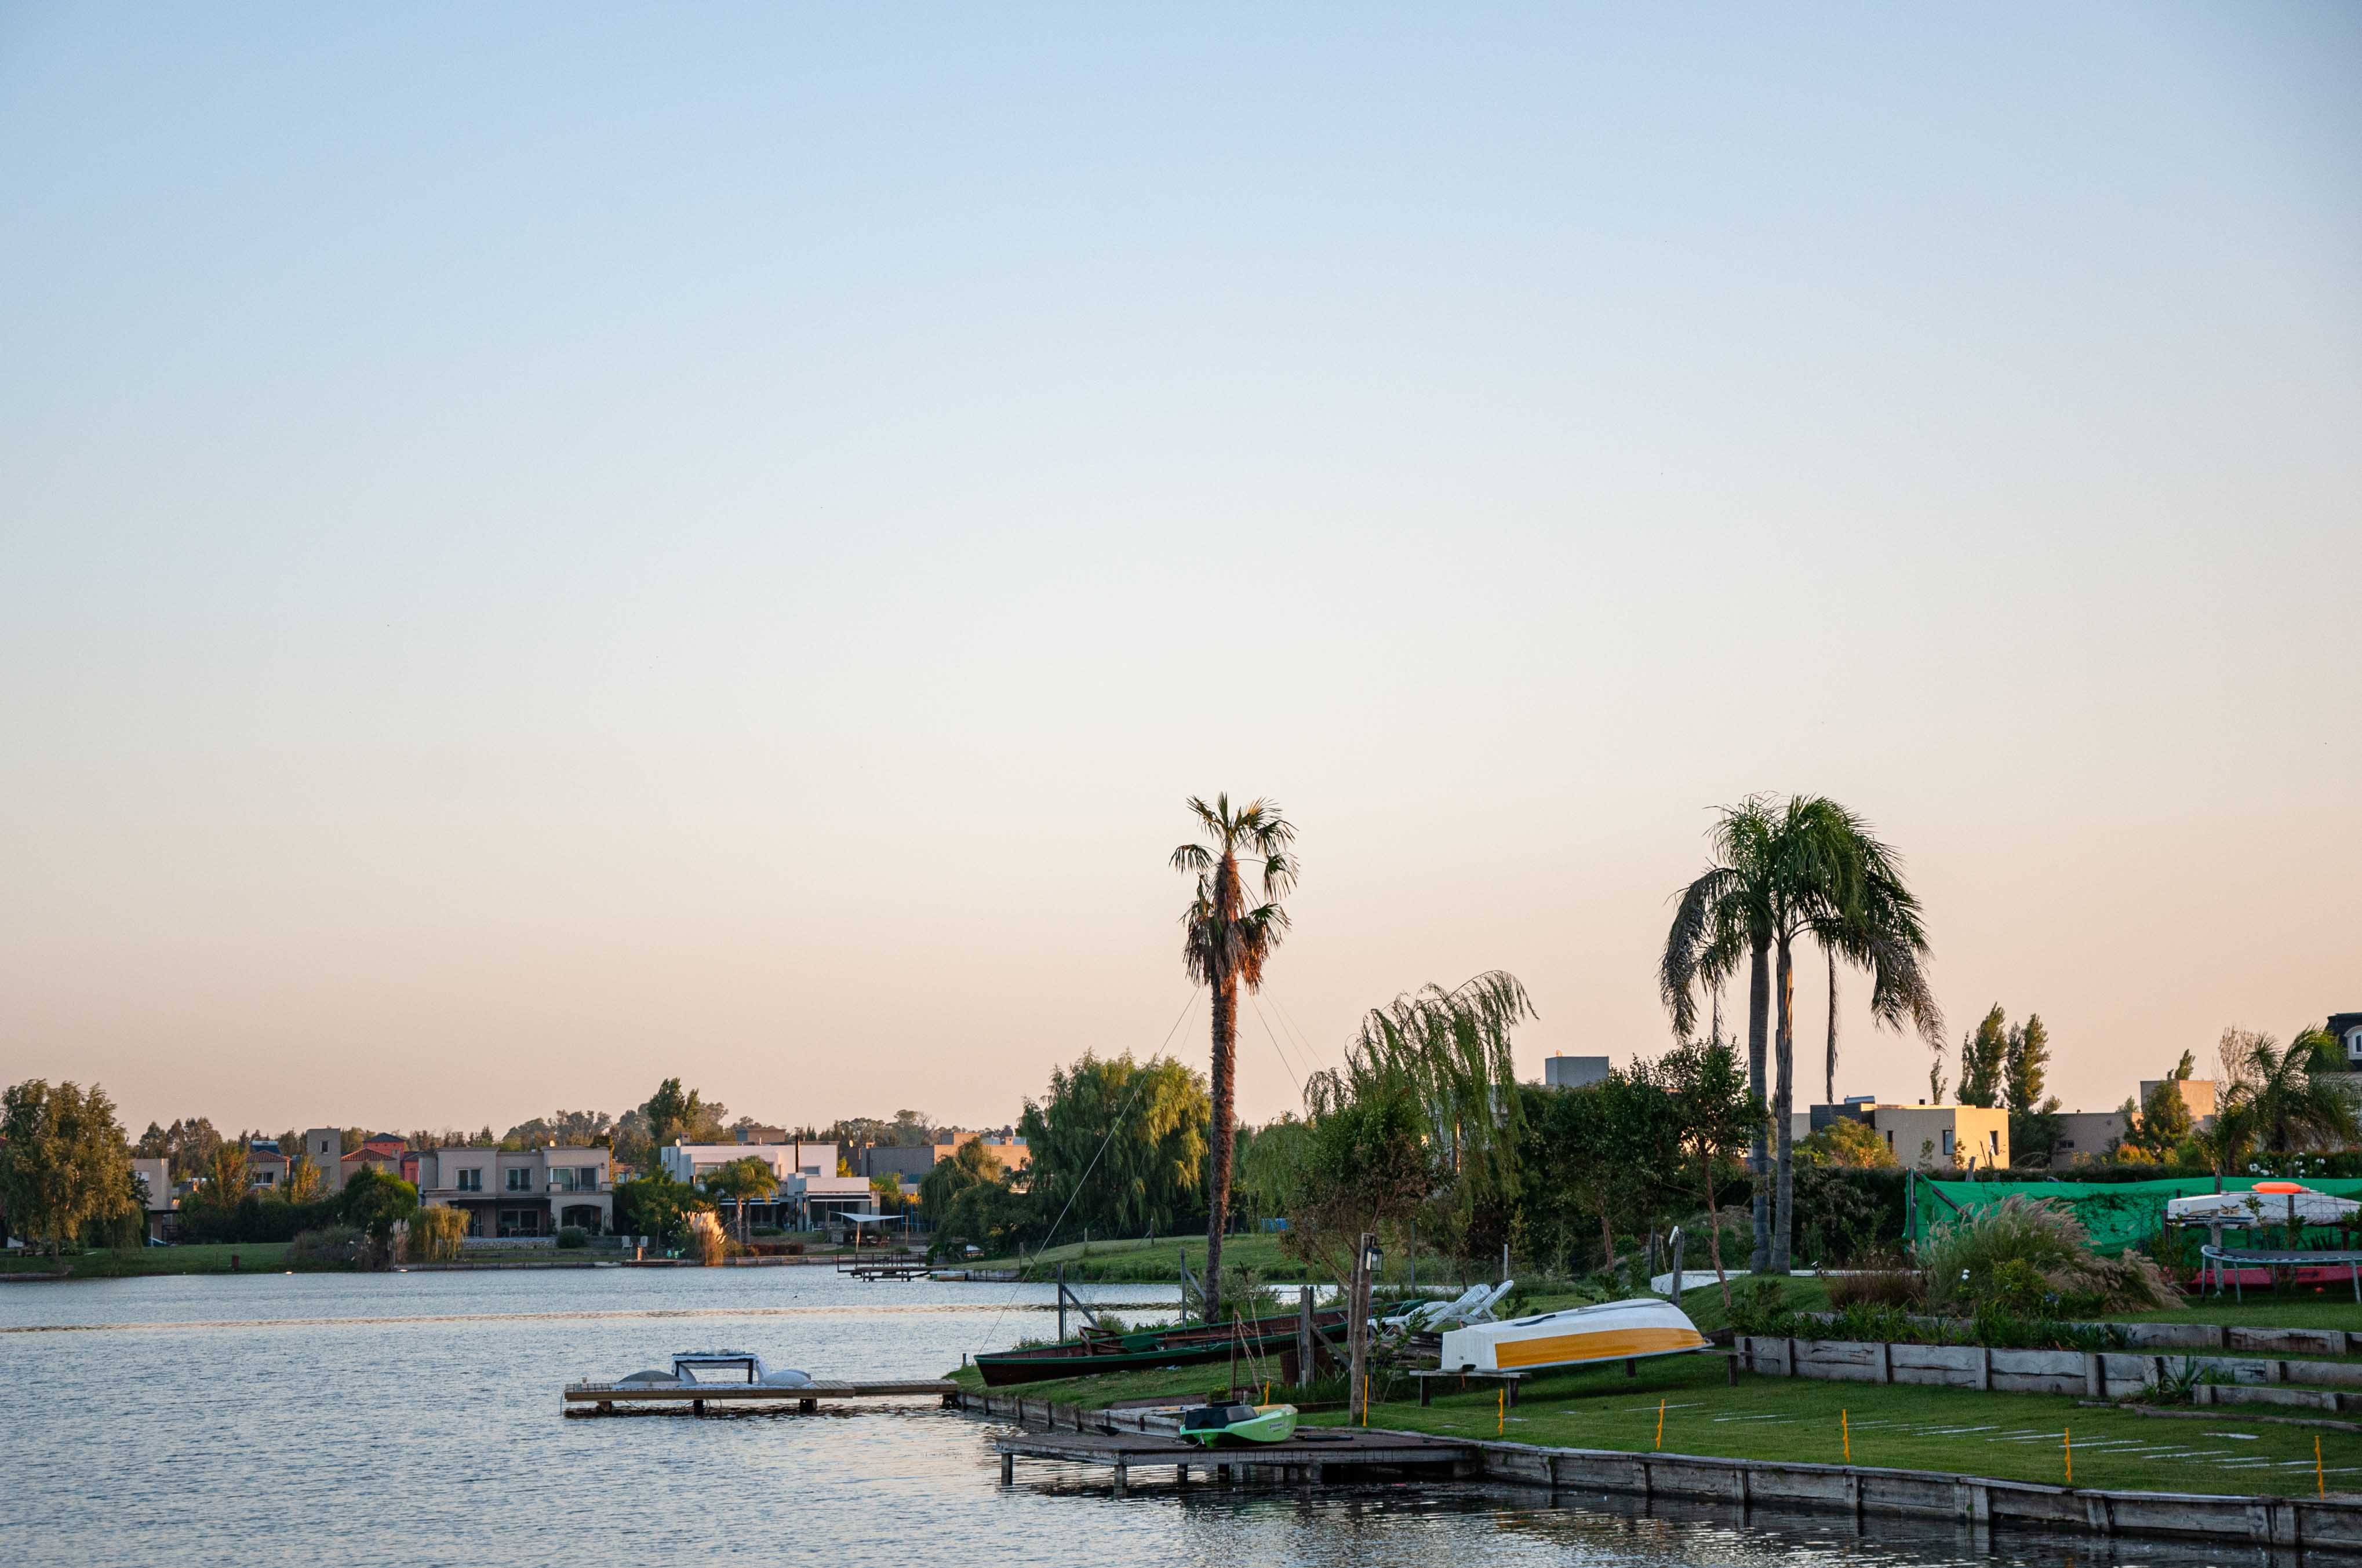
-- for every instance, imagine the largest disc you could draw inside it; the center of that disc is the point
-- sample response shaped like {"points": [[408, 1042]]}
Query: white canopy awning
{"points": [[2305, 1206]]}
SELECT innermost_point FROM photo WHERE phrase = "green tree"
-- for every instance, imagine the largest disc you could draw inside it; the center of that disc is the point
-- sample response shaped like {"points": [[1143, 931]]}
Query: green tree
{"points": [[2160, 1123], [303, 1183], [740, 1179], [223, 1182], [2033, 1116], [187, 1144], [377, 1202], [656, 1205], [1118, 1148], [1846, 1141], [1984, 1059], [1225, 943], [1807, 867], [1270, 1166], [1452, 1053], [64, 1162], [1366, 1164], [1714, 1114], [953, 1174]]}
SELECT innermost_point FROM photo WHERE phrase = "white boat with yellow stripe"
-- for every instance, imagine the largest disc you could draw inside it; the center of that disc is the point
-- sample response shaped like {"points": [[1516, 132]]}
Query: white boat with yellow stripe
{"points": [[1614, 1331]]}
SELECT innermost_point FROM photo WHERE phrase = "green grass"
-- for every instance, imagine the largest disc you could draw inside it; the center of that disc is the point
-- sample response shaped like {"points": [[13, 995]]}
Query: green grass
{"points": [[2016, 1437], [127, 1262]]}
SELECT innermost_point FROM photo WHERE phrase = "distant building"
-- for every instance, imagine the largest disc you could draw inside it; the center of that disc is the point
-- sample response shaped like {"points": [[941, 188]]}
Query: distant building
{"points": [[520, 1193], [156, 1178], [1572, 1073], [325, 1148], [2345, 1028], [912, 1164], [265, 1167], [808, 1191], [1929, 1138], [2085, 1136], [2198, 1097]]}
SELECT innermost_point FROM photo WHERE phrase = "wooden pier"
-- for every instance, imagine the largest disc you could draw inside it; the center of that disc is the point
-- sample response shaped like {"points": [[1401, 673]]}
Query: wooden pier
{"points": [[1321, 1455], [604, 1399]]}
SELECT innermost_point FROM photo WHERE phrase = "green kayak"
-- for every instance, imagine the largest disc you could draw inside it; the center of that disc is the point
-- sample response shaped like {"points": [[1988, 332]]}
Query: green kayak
{"points": [[1209, 1424]]}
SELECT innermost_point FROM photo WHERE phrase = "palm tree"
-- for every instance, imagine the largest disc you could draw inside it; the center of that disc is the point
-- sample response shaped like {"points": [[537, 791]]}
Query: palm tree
{"points": [[2275, 1101], [1806, 868], [1224, 944], [1727, 912]]}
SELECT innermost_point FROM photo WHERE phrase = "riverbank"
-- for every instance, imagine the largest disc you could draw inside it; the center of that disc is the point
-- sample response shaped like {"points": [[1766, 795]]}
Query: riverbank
{"points": [[128, 1263], [1685, 1403]]}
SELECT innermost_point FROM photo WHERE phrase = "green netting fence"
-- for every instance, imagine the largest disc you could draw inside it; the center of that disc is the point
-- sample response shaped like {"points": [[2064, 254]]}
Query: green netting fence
{"points": [[2118, 1214]]}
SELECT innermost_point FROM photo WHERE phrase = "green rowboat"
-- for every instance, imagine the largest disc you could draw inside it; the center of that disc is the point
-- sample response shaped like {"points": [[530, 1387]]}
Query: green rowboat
{"points": [[1211, 1424]]}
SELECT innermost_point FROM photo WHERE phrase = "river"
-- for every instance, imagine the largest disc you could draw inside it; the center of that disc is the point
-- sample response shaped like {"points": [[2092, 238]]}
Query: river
{"points": [[413, 1420]]}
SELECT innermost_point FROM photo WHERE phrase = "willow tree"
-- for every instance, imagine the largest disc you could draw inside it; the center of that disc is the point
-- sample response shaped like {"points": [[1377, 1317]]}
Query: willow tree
{"points": [[1116, 1145], [1225, 943], [1450, 1052], [1807, 868]]}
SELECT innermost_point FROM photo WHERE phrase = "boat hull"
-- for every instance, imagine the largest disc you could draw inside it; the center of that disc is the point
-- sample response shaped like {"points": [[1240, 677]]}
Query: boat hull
{"points": [[1186, 1347], [1271, 1423], [1620, 1331]]}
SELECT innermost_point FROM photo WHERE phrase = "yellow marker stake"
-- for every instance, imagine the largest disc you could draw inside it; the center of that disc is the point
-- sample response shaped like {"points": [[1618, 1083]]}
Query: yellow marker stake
{"points": [[1365, 1398], [2320, 1487], [1501, 1413], [1660, 1423], [2066, 1441], [1845, 1431]]}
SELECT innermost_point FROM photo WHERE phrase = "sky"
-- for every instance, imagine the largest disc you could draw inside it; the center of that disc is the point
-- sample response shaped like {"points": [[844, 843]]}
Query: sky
{"points": [[548, 549]]}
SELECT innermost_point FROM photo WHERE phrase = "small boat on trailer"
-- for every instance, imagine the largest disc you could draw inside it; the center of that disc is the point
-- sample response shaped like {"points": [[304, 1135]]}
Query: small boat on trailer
{"points": [[1616, 1330], [1174, 1346]]}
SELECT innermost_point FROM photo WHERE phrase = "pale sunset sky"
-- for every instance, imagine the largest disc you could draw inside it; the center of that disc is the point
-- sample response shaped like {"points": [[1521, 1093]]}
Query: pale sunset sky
{"points": [[548, 548]]}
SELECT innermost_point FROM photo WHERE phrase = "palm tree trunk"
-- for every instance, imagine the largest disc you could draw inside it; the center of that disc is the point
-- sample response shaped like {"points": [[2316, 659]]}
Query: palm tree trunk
{"points": [[1759, 1009], [1832, 957], [1784, 1223], [1218, 1176]]}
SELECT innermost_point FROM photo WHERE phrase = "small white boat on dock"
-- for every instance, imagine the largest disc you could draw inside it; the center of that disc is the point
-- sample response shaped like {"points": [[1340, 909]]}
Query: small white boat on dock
{"points": [[1616, 1330]]}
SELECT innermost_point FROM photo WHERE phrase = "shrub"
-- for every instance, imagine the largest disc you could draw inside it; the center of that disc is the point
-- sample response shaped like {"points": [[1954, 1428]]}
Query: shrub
{"points": [[706, 1239], [2032, 1258], [329, 1243], [1761, 1306], [1903, 1288], [573, 1238]]}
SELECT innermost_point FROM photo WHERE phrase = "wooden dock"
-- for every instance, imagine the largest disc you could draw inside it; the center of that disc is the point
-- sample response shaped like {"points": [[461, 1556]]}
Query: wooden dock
{"points": [[1316, 1454], [606, 1398]]}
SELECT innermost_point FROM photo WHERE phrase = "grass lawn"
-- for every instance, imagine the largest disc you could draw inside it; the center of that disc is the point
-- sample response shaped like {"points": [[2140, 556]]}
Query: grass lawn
{"points": [[2016, 1437], [122, 1263]]}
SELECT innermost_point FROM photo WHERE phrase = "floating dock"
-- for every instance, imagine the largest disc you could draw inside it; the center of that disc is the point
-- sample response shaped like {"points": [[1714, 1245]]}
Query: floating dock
{"points": [[606, 1398], [1332, 1454]]}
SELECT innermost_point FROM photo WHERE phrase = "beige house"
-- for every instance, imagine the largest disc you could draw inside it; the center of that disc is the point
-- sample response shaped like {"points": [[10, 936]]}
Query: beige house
{"points": [[2085, 1136], [520, 1193], [1932, 1137]]}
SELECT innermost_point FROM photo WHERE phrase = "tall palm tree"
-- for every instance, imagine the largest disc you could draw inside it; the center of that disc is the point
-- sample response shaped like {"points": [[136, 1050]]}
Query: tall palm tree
{"points": [[1224, 944], [1806, 866], [1725, 914]]}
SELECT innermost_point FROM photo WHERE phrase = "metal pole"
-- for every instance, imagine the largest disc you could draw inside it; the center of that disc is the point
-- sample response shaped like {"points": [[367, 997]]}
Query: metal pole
{"points": [[1413, 1258], [1062, 1303]]}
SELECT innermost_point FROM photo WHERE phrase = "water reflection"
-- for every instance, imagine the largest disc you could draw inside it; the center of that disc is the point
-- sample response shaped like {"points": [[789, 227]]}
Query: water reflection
{"points": [[415, 1419]]}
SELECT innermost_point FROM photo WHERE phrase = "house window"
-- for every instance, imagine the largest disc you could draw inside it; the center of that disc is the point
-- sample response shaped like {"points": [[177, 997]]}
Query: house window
{"points": [[520, 1222], [586, 1178], [562, 1177], [472, 1178], [520, 1179], [1948, 1142]]}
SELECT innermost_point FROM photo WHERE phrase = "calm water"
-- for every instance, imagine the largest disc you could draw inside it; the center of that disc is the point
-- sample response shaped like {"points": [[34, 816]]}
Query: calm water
{"points": [[410, 1420]]}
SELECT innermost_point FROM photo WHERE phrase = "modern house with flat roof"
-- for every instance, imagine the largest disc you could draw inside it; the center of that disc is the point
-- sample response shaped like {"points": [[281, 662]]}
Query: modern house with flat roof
{"points": [[1931, 1137], [155, 1177], [806, 1194], [520, 1193], [2345, 1028], [1572, 1073]]}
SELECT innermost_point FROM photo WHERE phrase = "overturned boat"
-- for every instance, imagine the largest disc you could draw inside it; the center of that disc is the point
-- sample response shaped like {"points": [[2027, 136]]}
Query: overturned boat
{"points": [[1616, 1330], [725, 1368], [1182, 1345]]}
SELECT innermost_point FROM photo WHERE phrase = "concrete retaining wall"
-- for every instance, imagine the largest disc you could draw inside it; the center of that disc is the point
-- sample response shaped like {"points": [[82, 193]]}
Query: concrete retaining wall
{"points": [[2094, 1374], [2199, 1336]]}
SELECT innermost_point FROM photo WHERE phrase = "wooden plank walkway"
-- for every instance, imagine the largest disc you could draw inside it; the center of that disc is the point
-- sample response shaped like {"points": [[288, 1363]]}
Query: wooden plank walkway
{"points": [[1327, 1454], [604, 1397]]}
